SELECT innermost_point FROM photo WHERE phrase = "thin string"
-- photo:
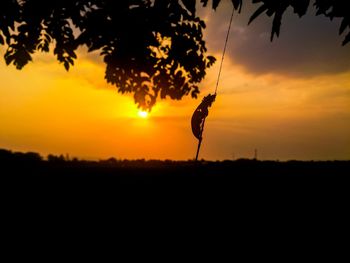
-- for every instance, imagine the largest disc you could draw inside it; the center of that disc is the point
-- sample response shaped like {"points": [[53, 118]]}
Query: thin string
{"points": [[223, 53]]}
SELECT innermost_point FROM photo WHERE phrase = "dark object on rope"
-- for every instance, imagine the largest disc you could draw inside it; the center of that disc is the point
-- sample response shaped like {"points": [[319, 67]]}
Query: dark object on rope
{"points": [[199, 115], [198, 118]]}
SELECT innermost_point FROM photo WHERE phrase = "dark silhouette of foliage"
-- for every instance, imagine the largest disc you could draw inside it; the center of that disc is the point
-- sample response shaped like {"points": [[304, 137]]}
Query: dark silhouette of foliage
{"points": [[55, 159], [329, 8], [152, 48]]}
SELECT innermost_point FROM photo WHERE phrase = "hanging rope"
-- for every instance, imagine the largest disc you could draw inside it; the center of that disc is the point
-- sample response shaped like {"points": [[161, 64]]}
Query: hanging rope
{"points": [[198, 117], [224, 51]]}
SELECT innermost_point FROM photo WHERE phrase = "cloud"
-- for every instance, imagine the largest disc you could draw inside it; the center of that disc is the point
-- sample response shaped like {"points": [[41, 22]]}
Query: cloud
{"points": [[307, 46]]}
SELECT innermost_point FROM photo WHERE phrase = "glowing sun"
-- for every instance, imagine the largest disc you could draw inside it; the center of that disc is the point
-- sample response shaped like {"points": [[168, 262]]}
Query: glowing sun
{"points": [[143, 114]]}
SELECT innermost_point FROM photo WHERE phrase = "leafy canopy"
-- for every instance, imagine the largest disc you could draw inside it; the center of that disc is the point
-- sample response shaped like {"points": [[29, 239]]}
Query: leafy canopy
{"points": [[151, 48]]}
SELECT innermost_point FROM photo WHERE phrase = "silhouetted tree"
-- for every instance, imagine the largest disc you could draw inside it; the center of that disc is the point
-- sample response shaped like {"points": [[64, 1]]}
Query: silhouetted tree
{"points": [[55, 159], [152, 48]]}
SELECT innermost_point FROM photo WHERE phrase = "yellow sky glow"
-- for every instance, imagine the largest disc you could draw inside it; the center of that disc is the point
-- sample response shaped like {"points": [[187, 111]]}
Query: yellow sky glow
{"points": [[47, 110]]}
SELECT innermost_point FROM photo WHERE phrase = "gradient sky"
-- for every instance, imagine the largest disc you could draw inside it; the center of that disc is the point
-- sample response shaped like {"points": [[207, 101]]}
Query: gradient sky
{"points": [[289, 99]]}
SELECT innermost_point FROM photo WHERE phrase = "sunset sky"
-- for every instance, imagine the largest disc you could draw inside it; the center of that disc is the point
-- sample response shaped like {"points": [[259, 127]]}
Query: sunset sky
{"points": [[289, 99]]}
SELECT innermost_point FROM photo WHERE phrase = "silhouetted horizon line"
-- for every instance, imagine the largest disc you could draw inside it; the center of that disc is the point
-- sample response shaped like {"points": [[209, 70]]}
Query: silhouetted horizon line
{"points": [[113, 159]]}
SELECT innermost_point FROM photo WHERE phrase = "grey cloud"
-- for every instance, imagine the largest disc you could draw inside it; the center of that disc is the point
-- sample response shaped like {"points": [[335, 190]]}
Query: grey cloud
{"points": [[306, 47]]}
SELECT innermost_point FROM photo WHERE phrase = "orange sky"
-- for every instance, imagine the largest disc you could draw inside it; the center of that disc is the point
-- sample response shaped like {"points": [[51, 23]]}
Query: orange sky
{"points": [[47, 110]]}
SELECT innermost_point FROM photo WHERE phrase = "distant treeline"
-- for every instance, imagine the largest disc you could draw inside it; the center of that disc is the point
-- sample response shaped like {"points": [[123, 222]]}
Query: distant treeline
{"points": [[20, 159]]}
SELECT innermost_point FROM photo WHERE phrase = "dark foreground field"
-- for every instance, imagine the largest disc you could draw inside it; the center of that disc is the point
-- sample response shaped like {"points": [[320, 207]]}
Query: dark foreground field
{"points": [[245, 176], [241, 195]]}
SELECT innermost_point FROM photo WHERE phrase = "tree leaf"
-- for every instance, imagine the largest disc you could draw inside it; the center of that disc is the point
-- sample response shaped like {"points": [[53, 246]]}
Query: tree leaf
{"points": [[215, 4], [190, 5], [66, 65], [258, 12], [343, 25], [346, 40], [237, 4]]}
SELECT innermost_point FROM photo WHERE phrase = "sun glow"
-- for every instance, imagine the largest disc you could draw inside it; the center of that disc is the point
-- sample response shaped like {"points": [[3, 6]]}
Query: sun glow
{"points": [[143, 114]]}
